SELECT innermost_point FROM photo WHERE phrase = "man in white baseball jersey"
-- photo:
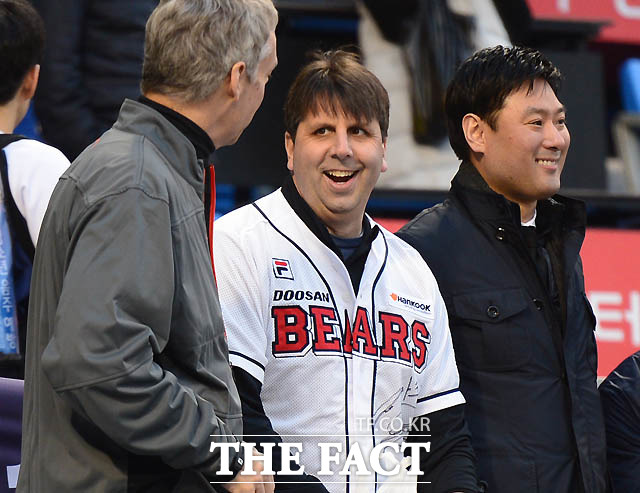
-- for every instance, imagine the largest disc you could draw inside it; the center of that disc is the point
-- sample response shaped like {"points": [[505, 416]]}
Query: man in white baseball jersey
{"points": [[337, 332]]}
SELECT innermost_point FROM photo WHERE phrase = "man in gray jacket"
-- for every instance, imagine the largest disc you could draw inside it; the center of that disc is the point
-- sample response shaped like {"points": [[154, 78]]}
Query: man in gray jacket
{"points": [[127, 382]]}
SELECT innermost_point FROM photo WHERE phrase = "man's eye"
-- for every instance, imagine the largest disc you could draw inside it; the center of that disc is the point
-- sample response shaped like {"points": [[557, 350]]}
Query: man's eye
{"points": [[536, 122], [358, 131], [562, 121], [321, 131]]}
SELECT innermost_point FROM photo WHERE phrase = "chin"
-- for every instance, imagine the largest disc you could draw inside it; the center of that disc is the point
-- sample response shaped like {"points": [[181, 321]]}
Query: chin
{"points": [[227, 141], [549, 192]]}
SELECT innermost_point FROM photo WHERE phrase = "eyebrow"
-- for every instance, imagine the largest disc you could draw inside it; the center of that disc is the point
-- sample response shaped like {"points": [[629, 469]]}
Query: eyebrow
{"points": [[533, 110], [320, 120]]}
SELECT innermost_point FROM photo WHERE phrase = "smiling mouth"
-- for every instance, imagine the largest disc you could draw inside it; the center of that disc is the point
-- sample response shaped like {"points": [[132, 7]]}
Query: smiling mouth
{"points": [[547, 162], [340, 176]]}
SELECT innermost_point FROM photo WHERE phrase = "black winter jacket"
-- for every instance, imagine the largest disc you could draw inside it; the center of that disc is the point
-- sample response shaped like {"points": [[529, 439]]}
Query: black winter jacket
{"points": [[621, 404], [532, 403], [93, 61]]}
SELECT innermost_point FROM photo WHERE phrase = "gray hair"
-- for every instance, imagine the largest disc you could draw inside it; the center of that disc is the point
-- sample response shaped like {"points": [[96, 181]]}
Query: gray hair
{"points": [[191, 45]]}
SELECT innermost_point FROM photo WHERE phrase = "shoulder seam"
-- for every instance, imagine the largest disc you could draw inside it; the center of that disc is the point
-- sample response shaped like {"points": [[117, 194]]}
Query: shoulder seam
{"points": [[120, 192], [90, 205]]}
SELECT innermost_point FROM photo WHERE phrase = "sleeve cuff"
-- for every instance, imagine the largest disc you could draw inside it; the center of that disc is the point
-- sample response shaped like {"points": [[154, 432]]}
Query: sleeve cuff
{"points": [[439, 401], [250, 365]]}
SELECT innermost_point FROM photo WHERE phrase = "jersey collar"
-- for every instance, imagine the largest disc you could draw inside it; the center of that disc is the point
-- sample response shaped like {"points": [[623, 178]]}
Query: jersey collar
{"points": [[355, 262]]}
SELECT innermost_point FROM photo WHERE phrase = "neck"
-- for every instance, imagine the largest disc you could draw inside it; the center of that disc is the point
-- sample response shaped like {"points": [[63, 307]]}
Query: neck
{"points": [[207, 114], [345, 228], [526, 208], [527, 211], [10, 116]]}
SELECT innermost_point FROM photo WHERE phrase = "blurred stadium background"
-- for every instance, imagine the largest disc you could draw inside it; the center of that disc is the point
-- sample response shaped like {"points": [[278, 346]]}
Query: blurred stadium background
{"points": [[594, 43]]}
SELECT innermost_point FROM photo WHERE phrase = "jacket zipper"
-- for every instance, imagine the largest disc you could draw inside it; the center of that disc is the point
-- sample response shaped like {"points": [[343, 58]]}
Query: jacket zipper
{"points": [[212, 211]]}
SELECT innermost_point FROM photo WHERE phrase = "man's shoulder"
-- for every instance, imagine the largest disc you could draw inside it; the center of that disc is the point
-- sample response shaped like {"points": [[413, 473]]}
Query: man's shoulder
{"points": [[29, 152], [397, 244], [625, 378], [441, 221], [245, 219], [120, 161], [406, 259], [237, 221]]}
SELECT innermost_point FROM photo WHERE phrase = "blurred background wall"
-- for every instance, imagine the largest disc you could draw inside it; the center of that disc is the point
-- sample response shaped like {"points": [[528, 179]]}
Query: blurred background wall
{"points": [[94, 57]]}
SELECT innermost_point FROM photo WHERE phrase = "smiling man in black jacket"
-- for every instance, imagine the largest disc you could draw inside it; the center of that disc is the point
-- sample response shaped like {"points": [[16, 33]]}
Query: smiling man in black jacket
{"points": [[505, 251]]}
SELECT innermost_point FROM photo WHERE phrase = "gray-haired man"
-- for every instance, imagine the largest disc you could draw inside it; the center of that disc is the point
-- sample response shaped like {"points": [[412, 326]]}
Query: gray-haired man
{"points": [[127, 378]]}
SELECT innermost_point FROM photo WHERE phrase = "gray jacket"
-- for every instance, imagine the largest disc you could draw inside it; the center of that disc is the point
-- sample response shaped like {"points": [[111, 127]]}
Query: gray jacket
{"points": [[127, 374]]}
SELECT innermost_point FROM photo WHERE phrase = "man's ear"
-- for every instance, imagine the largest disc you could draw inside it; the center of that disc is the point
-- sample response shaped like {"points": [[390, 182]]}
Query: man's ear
{"points": [[289, 145], [234, 78], [384, 156], [474, 132], [29, 83]]}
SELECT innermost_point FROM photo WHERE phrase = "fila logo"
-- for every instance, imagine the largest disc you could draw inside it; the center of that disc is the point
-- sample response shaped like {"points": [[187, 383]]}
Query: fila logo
{"points": [[411, 303], [282, 269]]}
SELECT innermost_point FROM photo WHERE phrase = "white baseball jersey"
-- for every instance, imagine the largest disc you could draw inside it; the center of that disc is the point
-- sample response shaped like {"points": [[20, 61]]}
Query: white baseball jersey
{"points": [[335, 366]]}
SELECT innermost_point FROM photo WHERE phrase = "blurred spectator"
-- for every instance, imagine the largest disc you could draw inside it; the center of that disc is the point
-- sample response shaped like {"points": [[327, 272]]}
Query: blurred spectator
{"points": [[92, 62], [29, 170], [620, 394], [414, 51]]}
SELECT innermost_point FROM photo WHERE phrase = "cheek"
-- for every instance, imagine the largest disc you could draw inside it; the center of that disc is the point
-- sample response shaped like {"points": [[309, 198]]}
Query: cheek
{"points": [[257, 102], [373, 156], [257, 96]]}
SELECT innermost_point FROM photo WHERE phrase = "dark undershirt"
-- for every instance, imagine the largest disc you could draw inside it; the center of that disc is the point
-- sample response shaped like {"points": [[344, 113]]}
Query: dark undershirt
{"points": [[347, 245]]}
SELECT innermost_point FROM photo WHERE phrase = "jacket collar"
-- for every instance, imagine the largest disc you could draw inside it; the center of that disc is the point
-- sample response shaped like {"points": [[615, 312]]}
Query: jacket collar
{"points": [[483, 203], [139, 118], [197, 136]]}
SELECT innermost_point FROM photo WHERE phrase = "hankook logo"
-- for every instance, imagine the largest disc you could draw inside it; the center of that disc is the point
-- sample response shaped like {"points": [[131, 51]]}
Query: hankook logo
{"points": [[414, 304]]}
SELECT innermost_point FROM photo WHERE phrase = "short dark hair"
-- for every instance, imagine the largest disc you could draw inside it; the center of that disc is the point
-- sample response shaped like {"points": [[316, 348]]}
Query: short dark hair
{"points": [[336, 81], [483, 82], [21, 44]]}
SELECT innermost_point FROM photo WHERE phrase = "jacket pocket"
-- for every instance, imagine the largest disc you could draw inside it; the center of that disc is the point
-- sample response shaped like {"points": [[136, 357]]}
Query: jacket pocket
{"points": [[490, 330]]}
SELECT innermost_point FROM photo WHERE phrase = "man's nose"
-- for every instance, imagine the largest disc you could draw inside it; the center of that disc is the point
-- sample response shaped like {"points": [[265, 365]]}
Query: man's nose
{"points": [[342, 145], [554, 136]]}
